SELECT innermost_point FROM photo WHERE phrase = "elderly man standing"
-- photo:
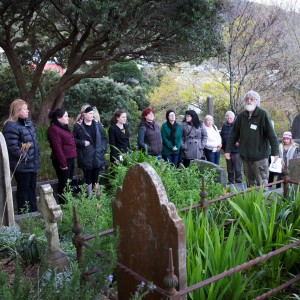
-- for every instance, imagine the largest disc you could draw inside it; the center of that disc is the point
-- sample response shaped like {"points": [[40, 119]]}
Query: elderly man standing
{"points": [[234, 164], [254, 131]]}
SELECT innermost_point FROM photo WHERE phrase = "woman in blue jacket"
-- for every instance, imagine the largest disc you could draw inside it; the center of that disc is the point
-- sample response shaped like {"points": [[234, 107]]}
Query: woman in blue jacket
{"points": [[23, 151], [91, 146], [171, 138]]}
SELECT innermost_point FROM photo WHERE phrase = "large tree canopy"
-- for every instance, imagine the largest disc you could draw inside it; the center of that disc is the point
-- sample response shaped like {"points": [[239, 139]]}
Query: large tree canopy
{"points": [[85, 37]]}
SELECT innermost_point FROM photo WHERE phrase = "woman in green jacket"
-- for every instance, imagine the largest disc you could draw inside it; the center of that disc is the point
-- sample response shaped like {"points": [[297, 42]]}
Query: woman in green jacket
{"points": [[171, 138]]}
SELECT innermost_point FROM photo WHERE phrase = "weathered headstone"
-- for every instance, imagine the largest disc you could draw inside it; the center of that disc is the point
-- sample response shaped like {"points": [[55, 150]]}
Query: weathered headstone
{"points": [[148, 225], [51, 213], [204, 164], [6, 199], [294, 170], [296, 128]]}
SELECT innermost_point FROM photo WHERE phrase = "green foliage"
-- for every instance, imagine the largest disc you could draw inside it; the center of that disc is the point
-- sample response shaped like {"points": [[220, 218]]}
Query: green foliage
{"points": [[120, 72], [107, 95]]}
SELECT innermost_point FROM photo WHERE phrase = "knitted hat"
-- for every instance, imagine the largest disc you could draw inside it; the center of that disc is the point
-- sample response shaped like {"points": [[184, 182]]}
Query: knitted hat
{"points": [[146, 112], [168, 112], [88, 109], [287, 135]]}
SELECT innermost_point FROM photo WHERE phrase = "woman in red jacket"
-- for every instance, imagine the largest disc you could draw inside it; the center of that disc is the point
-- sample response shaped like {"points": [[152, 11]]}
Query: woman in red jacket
{"points": [[63, 147]]}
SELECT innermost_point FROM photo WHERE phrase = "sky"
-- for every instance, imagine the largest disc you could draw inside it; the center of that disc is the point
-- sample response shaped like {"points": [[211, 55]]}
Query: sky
{"points": [[286, 4]]}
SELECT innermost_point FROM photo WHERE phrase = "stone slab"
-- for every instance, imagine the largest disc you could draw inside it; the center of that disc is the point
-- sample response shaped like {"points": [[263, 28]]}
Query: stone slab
{"points": [[148, 225]]}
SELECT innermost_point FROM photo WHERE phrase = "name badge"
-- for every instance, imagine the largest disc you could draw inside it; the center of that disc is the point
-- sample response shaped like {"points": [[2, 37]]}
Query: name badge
{"points": [[254, 127]]}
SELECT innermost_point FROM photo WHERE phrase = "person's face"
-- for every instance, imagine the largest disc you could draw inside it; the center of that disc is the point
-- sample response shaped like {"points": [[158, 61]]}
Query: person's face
{"points": [[229, 119], [23, 113], [172, 117], [250, 104], [64, 119], [208, 122], [286, 141], [122, 119], [188, 118], [150, 117], [89, 116]]}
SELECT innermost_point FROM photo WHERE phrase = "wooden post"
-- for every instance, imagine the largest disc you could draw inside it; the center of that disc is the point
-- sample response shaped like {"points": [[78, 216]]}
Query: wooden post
{"points": [[210, 106], [76, 229]]}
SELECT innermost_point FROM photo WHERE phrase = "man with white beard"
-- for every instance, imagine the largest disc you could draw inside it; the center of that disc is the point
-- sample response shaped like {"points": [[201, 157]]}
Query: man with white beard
{"points": [[254, 131]]}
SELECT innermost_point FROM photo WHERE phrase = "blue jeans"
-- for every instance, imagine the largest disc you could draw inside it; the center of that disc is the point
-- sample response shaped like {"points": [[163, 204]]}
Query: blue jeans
{"points": [[172, 158], [211, 156]]}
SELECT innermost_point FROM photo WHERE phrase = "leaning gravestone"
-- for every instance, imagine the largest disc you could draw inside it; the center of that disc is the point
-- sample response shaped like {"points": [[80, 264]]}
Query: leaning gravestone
{"points": [[52, 214], [6, 199], [296, 128], [148, 226]]}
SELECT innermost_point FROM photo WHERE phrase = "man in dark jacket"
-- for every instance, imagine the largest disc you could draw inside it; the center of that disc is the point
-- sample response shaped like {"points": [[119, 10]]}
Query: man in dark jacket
{"points": [[254, 131], [234, 164]]}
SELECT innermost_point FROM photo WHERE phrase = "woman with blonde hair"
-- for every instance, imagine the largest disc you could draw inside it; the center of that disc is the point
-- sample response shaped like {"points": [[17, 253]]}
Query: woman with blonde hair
{"points": [[22, 145], [91, 146]]}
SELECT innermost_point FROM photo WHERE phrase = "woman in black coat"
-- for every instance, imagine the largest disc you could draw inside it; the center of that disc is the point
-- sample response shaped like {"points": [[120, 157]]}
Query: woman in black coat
{"points": [[118, 134], [91, 146], [18, 130]]}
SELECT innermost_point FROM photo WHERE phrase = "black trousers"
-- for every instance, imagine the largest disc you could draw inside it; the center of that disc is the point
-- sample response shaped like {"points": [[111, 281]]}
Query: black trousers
{"points": [[63, 176], [26, 196]]}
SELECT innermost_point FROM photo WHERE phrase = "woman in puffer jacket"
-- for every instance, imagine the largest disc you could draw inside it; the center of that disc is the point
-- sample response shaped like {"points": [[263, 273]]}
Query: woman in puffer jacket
{"points": [[91, 146], [23, 151]]}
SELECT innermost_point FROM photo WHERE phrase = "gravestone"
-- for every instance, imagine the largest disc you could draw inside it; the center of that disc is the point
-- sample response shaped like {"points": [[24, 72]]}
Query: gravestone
{"points": [[296, 128], [6, 199], [204, 164], [148, 226], [51, 213], [294, 170]]}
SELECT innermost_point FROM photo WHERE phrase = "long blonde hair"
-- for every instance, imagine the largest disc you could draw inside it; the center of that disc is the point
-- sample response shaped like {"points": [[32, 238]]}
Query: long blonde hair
{"points": [[14, 110]]}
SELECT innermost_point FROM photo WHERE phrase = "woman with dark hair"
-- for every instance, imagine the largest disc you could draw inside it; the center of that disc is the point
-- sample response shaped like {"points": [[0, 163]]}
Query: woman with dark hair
{"points": [[149, 138], [63, 147], [91, 146], [118, 135], [194, 137], [23, 151], [171, 138]]}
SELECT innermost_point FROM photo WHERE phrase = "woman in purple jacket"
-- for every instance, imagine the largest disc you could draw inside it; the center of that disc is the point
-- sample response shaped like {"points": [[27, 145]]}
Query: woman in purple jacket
{"points": [[63, 147]]}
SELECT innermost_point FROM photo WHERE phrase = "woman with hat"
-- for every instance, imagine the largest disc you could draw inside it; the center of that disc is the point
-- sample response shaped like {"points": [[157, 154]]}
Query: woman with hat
{"points": [[194, 137], [63, 147], [171, 138], [91, 146], [288, 149], [149, 138]]}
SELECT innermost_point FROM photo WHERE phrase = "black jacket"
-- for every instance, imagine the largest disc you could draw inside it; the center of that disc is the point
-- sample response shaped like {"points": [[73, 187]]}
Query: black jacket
{"points": [[225, 133], [16, 133], [118, 141], [92, 156]]}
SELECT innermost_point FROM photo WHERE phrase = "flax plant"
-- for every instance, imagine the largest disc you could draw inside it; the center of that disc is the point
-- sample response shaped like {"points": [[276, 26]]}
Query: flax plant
{"points": [[210, 251]]}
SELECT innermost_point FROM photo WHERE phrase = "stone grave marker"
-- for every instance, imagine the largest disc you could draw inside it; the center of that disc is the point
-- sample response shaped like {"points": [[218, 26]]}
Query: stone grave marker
{"points": [[6, 199], [294, 170], [148, 225], [296, 128], [51, 213], [204, 164]]}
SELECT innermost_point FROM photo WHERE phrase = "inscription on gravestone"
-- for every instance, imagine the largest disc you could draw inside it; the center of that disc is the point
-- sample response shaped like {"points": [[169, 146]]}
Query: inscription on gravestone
{"points": [[148, 226]]}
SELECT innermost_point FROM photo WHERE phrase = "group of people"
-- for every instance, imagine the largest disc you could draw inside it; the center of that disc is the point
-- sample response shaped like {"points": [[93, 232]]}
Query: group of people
{"points": [[248, 140]]}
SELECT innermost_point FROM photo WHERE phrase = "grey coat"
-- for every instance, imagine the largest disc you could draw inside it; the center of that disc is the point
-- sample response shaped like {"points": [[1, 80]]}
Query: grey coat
{"points": [[193, 141]]}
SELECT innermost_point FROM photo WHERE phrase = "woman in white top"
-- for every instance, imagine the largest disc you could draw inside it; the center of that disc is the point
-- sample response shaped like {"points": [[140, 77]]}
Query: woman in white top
{"points": [[214, 141]]}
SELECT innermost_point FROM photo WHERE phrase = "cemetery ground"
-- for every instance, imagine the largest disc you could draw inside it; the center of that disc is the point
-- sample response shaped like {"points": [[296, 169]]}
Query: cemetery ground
{"points": [[232, 232]]}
